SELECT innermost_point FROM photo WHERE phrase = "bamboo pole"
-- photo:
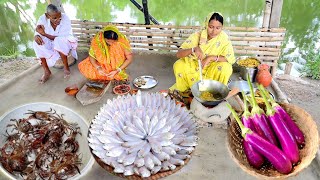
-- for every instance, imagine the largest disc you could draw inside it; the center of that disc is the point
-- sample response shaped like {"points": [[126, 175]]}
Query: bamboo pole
{"points": [[257, 43], [257, 48], [74, 22], [282, 98], [257, 52], [275, 13], [263, 34], [267, 13], [288, 68]]}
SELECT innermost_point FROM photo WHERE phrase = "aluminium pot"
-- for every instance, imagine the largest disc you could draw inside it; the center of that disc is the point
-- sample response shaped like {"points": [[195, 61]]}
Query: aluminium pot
{"points": [[215, 87]]}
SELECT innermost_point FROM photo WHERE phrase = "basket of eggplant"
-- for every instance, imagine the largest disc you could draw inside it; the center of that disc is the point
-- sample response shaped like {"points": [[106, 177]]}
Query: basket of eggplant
{"points": [[272, 141]]}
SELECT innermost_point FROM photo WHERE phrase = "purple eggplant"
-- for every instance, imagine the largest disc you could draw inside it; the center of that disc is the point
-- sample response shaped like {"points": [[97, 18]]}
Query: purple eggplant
{"points": [[294, 129], [260, 120], [286, 139], [254, 158], [246, 115], [277, 158]]}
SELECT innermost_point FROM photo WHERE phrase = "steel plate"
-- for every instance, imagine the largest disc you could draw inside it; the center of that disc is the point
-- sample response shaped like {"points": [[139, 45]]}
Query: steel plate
{"points": [[145, 82]]}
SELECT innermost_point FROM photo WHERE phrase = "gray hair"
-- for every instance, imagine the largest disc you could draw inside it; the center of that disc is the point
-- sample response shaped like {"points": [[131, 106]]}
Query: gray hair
{"points": [[52, 8]]}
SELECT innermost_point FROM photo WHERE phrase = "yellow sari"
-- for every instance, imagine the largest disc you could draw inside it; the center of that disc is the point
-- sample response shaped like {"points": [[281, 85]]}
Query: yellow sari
{"points": [[186, 69], [109, 57]]}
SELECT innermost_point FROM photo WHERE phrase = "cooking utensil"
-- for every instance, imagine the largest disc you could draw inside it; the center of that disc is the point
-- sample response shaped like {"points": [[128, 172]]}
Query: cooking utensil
{"points": [[72, 90], [201, 84], [252, 71], [145, 82], [242, 85], [215, 87]]}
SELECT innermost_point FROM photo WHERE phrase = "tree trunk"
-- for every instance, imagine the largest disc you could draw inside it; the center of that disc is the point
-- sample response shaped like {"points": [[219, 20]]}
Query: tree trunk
{"points": [[275, 13]]}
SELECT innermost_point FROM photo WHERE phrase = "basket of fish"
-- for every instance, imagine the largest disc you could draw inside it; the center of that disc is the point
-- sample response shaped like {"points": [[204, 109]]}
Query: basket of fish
{"points": [[145, 135], [44, 141], [272, 141]]}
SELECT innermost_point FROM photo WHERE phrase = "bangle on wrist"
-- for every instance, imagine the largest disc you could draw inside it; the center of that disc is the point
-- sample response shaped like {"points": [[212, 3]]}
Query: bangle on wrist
{"points": [[192, 50], [119, 69]]}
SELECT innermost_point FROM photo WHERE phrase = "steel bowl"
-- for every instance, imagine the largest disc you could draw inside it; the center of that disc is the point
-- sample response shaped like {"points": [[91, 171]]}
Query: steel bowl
{"points": [[252, 71], [211, 86], [242, 85], [69, 115]]}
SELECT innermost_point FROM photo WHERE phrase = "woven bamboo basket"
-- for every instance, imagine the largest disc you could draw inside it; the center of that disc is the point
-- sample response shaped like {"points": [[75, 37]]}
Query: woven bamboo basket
{"points": [[159, 175], [136, 177], [307, 154]]}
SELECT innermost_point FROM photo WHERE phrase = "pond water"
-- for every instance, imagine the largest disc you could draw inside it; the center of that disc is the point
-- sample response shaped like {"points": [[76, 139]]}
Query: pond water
{"points": [[300, 18]]}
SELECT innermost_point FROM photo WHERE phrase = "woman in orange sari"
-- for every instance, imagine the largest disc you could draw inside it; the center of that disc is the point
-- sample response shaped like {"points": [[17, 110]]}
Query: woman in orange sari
{"points": [[109, 56]]}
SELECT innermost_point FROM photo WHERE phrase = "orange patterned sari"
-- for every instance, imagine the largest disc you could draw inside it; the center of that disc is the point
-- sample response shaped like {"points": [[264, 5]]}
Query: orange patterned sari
{"points": [[109, 57]]}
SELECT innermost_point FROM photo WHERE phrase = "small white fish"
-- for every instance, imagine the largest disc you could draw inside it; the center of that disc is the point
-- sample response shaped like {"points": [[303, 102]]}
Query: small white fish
{"points": [[100, 154], [148, 162], [108, 160], [129, 159], [139, 162], [97, 147], [169, 150], [110, 146], [144, 150], [118, 168], [156, 169], [128, 170], [181, 156], [115, 152], [139, 98], [162, 156], [136, 170], [121, 157], [176, 161], [167, 165], [144, 172], [155, 160]]}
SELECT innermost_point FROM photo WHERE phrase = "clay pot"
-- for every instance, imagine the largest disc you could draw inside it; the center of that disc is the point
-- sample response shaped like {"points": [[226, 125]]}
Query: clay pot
{"points": [[263, 76]]}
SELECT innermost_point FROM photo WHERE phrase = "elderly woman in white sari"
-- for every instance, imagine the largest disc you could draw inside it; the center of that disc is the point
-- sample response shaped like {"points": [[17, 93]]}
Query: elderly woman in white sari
{"points": [[53, 39]]}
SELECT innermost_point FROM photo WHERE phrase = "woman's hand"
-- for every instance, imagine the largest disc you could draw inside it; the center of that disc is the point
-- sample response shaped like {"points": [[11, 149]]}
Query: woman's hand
{"points": [[198, 52], [101, 72], [206, 61], [112, 74]]}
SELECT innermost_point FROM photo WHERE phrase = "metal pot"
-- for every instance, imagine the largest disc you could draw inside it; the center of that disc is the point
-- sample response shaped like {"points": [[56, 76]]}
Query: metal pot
{"points": [[242, 85], [213, 86]]}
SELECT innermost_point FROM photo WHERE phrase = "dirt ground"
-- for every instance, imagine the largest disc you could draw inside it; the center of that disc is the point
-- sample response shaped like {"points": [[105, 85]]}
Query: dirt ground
{"points": [[10, 68], [303, 92]]}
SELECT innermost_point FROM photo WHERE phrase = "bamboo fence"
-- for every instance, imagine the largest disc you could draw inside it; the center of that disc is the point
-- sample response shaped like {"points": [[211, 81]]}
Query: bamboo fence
{"points": [[262, 43]]}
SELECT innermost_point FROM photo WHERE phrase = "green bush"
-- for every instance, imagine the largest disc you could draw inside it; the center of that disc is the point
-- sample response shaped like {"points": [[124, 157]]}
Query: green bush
{"points": [[312, 66]]}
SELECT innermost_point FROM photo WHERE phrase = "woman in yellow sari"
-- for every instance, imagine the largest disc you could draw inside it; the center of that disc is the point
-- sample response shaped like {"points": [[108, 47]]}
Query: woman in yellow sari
{"points": [[109, 55], [212, 46]]}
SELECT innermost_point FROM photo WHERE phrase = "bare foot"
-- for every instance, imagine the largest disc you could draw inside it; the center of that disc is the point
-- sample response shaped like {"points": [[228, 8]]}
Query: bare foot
{"points": [[66, 74], [44, 78]]}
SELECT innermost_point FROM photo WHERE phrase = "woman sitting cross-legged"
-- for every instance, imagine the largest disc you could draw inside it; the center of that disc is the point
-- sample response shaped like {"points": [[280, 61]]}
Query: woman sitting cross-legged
{"points": [[109, 56], [212, 46]]}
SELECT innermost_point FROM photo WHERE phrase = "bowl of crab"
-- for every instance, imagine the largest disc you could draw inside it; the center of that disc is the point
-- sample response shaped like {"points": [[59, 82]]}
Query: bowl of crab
{"points": [[43, 141], [145, 135]]}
